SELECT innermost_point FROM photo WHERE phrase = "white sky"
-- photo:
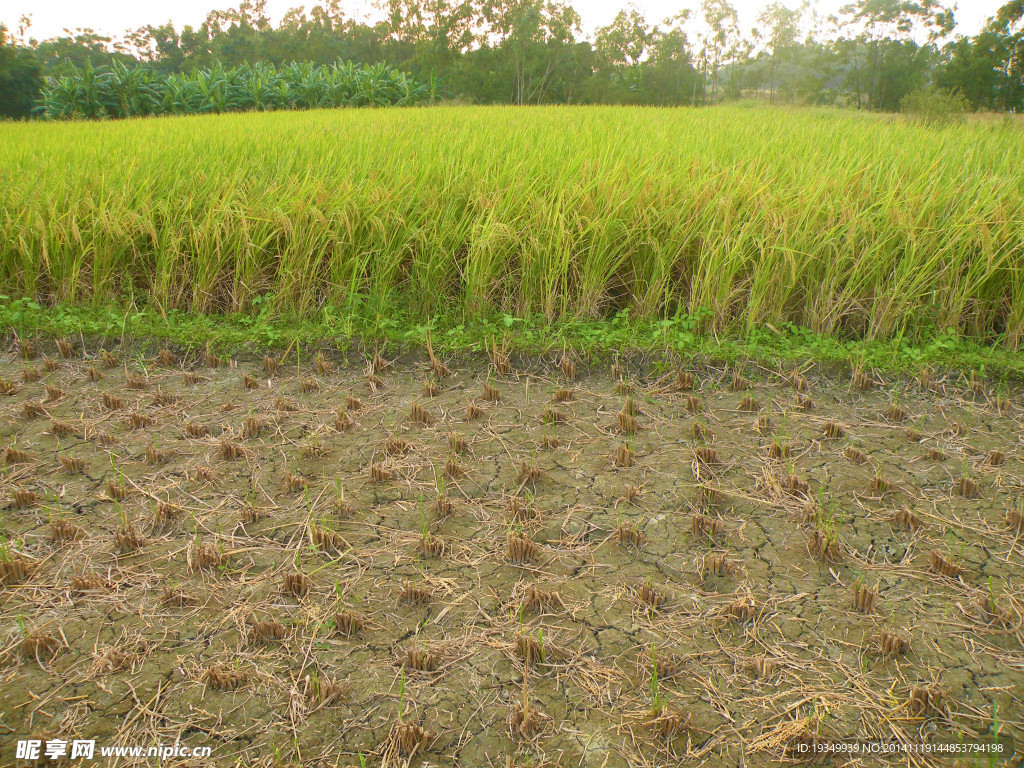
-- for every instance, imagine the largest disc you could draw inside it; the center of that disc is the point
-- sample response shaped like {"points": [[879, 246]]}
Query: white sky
{"points": [[113, 17]]}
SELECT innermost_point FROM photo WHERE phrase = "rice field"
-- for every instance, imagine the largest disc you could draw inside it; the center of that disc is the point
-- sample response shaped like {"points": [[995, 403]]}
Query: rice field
{"points": [[506, 561], [850, 225]]}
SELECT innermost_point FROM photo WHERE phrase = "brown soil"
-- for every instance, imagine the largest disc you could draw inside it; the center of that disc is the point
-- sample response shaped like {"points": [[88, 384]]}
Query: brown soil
{"points": [[257, 560]]}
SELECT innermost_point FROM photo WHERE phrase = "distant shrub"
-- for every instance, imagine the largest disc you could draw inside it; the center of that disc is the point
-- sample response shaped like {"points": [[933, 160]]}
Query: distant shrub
{"points": [[935, 106]]}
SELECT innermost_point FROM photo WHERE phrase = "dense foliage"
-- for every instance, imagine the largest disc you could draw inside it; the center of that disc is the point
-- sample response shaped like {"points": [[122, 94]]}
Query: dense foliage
{"points": [[849, 224], [871, 55], [120, 91]]}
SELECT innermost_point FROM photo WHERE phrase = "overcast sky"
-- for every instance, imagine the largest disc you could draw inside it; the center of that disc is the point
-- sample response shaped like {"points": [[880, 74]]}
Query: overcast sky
{"points": [[113, 17]]}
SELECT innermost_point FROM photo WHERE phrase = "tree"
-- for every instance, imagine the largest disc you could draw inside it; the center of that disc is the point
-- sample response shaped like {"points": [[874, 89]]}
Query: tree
{"points": [[21, 78]]}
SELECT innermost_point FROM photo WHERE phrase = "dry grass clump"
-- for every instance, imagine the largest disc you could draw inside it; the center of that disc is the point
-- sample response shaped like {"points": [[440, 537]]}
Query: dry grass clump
{"points": [[905, 518], [88, 582], [564, 395], [251, 428], [891, 643], [271, 365], [692, 404], [166, 358], [864, 597], [626, 424], [165, 512], [380, 474], [293, 483], [1015, 519], [65, 348], [309, 385], [855, 456], [833, 431], [30, 375], [568, 367], [491, 394], [742, 610], [522, 511], [628, 534], [716, 564], [138, 420], [995, 458], [452, 469], [267, 631], [880, 484], [176, 596], [342, 421], [943, 565], [72, 465], [553, 416], [297, 584], [795, 486], [524, 720], [348, 623], [134, 381], [738, 383], [936, 454], [15, 568], [116, 490], [927, 701], [190, 378], [430, 546], [520, 550], [623, 456], [967, 488], [8, 387], [223, 677], [93, 374], [710, 528], [895, 414], [797, 381], [111, 402], [53, 394], [282, 403], [39, 645], [431, 388], [419, 414], [127, 538], [706, 456], [989, 611], [499, 358], [415, 594], [250, 382], [195, 430], [109, 359], [749, 405], [824, 547], [327, 540], [651, 597], [229, 450], [473, 411], [684, 381], [62, 530], [537, 599], [14, 455], [528, 472], [420, 659], [23, 498], [206, 556], [802, 403], [32, 410], [410, 738], [861, 382]]}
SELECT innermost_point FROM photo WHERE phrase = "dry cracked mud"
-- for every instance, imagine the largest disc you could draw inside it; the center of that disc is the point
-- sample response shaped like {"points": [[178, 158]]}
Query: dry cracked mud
{"points": [[512, 562]]}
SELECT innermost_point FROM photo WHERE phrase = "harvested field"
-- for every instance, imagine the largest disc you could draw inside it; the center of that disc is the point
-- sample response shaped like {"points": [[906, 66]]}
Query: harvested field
{"points": [[504, 561]]}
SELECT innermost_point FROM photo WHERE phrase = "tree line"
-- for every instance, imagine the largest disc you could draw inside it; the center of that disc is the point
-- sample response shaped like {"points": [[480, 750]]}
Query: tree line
{"points": [[873, 54]]}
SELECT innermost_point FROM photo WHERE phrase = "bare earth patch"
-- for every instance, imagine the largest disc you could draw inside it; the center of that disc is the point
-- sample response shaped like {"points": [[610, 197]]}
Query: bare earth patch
{"points": [[504, 562]]}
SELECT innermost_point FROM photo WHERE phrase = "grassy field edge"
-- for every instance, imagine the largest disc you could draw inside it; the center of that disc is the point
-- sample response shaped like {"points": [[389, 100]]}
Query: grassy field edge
{"points": [[680, 336]]}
